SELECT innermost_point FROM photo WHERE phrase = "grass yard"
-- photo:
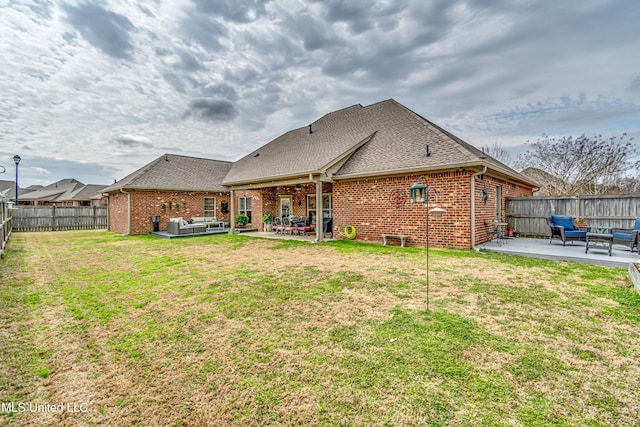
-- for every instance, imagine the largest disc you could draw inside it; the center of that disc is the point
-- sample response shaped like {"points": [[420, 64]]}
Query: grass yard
{"points": [[230, 330]]}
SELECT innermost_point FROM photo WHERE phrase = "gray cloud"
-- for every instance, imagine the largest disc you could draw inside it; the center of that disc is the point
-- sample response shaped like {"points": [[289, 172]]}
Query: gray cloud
{"points": [[233, 10], [128, 141], [106, 30], [364, 15], [315, 34], [223, 90], [188, 62], [216, 110], [206, 31]]}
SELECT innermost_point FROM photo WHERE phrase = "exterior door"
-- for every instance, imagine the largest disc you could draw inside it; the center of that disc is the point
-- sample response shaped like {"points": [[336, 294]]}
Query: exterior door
{"points": [[284, 206]]}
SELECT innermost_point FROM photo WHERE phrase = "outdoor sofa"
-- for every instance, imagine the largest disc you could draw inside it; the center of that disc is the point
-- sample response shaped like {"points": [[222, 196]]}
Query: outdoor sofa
{"points": [[208, 221], [563, 228], [180, 226]]}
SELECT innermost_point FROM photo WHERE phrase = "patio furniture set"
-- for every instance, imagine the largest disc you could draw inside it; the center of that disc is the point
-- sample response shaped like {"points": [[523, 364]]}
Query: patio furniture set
{"points": [[564, 228], [196, 225], [498, 230], [299, 225]]}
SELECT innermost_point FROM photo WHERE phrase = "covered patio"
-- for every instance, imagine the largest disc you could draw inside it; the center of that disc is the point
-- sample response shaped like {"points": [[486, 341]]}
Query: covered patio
{"points": [[573, 252]]}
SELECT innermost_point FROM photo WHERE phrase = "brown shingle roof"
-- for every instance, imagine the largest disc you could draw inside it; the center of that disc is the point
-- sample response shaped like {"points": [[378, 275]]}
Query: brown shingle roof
{"points": [[176, 173], [395, 140], [60, 190], [298, 152], [88, 192]]}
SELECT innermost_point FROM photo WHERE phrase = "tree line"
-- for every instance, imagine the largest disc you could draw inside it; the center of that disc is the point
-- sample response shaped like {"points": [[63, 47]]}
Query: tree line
{"points": [[582, 165]]}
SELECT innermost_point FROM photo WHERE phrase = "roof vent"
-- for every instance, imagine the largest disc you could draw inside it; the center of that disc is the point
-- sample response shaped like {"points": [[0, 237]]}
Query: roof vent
{"points": [[427, 153], [256, 155], [310, 129]]}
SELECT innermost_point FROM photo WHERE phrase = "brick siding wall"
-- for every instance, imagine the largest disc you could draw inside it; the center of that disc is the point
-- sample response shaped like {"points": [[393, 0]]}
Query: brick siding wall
{"points": [[146, 203], [118, 213], [379, 206], [486, 212]]}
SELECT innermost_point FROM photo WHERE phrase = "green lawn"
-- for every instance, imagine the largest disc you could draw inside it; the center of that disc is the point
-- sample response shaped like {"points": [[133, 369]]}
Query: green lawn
{"points": [[230, 330]]}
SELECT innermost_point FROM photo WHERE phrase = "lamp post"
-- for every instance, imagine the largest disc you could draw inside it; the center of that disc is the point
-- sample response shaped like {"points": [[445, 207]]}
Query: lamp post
{"points": [[419, 193], [16, 160]]}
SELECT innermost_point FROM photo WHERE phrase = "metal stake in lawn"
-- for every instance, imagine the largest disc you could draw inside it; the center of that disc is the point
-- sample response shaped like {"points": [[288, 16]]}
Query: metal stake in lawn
{"points": [[419, 193]]}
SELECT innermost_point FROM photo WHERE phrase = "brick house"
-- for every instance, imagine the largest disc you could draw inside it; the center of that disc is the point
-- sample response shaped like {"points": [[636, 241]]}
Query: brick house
{"points": [[170, 186], [356, 166]]}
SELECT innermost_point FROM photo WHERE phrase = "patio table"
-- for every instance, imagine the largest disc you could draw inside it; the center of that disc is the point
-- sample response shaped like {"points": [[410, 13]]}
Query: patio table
{"points": [[500, 230], [595, 239]]}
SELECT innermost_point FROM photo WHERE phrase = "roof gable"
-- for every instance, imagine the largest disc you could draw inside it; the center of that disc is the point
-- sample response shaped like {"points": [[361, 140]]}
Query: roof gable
{"points": [[171, 172]]}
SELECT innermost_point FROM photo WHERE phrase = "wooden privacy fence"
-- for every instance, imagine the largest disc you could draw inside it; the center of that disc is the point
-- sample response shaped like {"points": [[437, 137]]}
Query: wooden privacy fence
{"points": [[5, 220], [59, 218], [527, 214]]}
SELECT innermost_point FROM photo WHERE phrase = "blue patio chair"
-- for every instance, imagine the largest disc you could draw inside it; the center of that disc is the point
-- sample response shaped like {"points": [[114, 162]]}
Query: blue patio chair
{"points": [[628, 236], [563, 228]]}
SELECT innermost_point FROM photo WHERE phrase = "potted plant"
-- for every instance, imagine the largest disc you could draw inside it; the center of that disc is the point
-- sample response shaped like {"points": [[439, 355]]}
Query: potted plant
{"points": [[581, 221], [268, 222], [242, 220]]}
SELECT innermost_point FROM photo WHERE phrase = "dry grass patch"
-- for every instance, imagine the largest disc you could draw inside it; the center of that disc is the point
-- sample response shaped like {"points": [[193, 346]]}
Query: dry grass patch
{"points": [[229, 330]]}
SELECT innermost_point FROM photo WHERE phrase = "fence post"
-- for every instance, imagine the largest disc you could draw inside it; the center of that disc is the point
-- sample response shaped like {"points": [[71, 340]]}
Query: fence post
{"points": [[53, 218]]}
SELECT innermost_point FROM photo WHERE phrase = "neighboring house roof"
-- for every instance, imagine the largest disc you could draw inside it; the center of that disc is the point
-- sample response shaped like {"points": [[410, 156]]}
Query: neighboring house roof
{"points": [[549, 184], [380, 139], [171, 172], [88, 192], [8, 189], [58, 191]]}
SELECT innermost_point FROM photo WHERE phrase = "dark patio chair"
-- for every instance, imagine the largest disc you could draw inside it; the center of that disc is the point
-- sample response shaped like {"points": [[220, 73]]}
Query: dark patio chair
{"points": [[288, 227], [278, 226], [304, 225], [327, 226], [628, 236], [563, 228]]}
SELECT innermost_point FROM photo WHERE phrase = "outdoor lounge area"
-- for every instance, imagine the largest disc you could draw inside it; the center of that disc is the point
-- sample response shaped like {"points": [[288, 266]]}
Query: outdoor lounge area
{"points": [[575, 251]]}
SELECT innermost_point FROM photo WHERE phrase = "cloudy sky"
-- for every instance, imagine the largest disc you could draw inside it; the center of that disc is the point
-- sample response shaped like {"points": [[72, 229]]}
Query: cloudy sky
{"points": [[94, 90]]}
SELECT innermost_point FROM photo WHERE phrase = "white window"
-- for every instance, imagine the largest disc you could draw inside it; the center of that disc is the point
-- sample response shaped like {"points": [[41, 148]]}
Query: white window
{"points": [[326, 206], [244, 206], [210, 206]]}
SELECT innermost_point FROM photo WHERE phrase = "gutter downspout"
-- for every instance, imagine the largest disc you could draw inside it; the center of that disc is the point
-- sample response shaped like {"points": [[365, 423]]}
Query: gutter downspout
{"points": [[473, 206], [128, 211], [108, 210]]}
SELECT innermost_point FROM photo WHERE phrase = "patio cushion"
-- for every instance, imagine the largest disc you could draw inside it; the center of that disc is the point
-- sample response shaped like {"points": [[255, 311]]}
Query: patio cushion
{"points": [[624, 236], [575, 233], [563, 220], [636, 225]]}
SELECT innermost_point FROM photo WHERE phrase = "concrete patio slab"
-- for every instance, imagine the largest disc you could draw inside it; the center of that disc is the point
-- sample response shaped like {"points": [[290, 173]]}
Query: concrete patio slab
{"points": [[209, 232], [572, 252], [310, 237]]}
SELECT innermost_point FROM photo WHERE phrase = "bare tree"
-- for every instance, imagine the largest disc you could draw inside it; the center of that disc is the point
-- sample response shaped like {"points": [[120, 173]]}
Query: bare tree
{"points": [[586, 165], [498, 152]]}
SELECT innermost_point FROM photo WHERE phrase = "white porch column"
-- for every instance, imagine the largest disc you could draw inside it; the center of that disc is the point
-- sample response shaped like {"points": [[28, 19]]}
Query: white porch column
{"points": [[319, 213], [232, 212]]}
